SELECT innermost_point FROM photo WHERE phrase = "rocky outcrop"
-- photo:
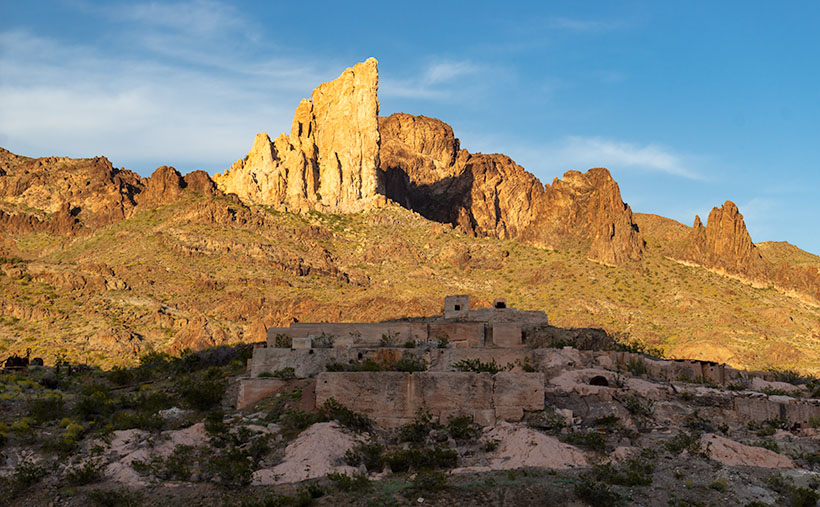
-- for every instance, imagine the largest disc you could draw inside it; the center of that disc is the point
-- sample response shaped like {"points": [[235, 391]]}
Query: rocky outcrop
{"points": [[490, 195], [724, 244], [61, 195], [330, 160]]}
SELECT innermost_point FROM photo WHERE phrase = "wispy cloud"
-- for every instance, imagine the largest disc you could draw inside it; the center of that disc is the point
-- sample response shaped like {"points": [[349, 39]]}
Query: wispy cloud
{"points": [[602, 152], [583, 25], [168, 88], [439, 80]]}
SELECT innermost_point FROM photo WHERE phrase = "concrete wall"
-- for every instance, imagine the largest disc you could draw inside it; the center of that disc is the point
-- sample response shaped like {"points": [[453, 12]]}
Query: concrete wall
{"points": [[507, 335], [465, 334], [456, 306], [780, 408], [361, 334], [252, 390], [393, 398]]}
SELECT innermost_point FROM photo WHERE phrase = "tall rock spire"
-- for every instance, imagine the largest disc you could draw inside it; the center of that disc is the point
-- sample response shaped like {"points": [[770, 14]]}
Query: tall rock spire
{"points": [[330, 160]]}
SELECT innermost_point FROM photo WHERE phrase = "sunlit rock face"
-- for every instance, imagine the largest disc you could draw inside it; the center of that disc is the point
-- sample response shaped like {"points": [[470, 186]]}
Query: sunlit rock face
{"points": [[329, 162]]}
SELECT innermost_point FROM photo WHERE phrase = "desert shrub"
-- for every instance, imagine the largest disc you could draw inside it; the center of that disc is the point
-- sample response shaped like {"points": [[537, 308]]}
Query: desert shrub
{"points": [[443, 342], [607, 420], [232, 466], [3, 439], [371, 455], [636, 366], [46, 408], [323, 341], [430, 481], [287, 373], [797, 497], [283, 341], [294, 421], [490, 445], [478, 366], [89, 471], [202, 392], [590, 440], [355, 482], [115, 497], [767, 444], [151, 400], [594, 493], [719, 485], [25, 475], [120, 376], [417, 430], [526, 365], [638, 407], [388, 339], [421, 458], [687, 441], [333, 410], [95, 403], [154, 359], [409, 364], [463, 428], [635, 471], [410, 344]]}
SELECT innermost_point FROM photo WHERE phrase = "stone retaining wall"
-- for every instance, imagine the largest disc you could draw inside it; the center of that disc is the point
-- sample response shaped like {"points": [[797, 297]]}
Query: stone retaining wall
{"points": [[393, 398]]}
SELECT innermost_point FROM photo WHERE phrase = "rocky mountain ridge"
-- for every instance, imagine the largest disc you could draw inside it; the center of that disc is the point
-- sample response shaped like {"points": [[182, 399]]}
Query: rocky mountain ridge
{"points": [[176, 261]]}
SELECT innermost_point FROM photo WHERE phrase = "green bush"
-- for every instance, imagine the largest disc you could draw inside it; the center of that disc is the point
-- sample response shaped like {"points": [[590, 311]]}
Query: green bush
{"points": [[590, 440], [46, 408], [203, 392], [687, 441], [371, 455], [410, 364], [635, 471], [430, 481], [478, 366], [421, 458], [355, 482], [285, 373], [323, 341], [283, 341], [595, 493], [636, 366], [463, 428], [86, 473], [115, 497], [333, 410], [419, 428]]}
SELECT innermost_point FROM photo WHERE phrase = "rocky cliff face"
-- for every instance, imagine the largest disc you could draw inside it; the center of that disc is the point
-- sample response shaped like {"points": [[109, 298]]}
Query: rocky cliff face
{"points": [[63, 195], [490, 195], [329, 162], [724, 243]]}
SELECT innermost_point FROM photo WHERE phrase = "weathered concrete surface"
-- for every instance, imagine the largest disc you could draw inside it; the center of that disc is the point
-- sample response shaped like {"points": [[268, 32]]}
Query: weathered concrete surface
{"points": [[781, 408], [513, 393], [252, 390], [393, 398], [507, 335]]}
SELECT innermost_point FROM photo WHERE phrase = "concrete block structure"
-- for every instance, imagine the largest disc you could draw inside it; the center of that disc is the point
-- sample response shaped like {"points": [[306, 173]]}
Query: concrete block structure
{"points": [[458, 350]]}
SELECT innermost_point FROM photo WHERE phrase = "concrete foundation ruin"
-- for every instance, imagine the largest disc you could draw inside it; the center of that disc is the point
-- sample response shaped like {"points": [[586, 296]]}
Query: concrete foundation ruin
{"points": [[539, 366]]}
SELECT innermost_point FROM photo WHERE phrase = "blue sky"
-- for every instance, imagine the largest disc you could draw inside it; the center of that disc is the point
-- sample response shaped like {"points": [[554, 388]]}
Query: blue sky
{"points": [[687, 103]]}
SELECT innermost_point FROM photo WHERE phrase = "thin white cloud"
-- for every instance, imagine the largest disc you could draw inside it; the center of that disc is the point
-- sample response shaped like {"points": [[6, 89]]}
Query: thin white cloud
{"points": [[583, 25], [439, 80], [161, 95], [582, 153], [602, 152]]}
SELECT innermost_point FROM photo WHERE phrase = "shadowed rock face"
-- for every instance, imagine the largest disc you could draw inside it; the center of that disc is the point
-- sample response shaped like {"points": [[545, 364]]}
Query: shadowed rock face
{"points": [[329, 162], [490, 195]]}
